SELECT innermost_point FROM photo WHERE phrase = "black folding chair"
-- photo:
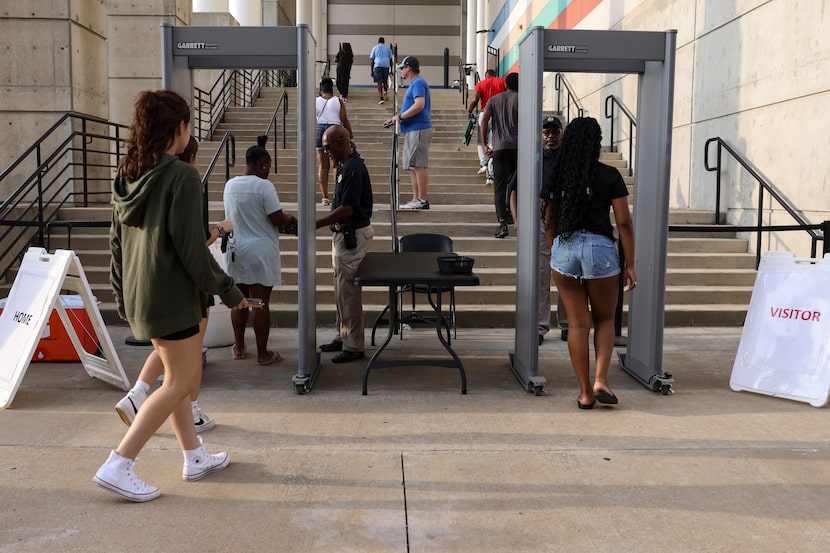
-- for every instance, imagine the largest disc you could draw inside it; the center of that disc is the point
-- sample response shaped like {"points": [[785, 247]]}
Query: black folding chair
{"points": [[423, 242]]}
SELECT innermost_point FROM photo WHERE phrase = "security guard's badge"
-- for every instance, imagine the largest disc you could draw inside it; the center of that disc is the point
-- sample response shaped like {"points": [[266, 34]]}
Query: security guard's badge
{"points": [[339, 177]]}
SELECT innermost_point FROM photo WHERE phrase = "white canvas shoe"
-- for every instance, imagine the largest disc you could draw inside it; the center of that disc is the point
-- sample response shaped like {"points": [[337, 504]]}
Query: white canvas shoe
{"points": [[201, 421], [117, 476], [198, 464], [129, 405]]}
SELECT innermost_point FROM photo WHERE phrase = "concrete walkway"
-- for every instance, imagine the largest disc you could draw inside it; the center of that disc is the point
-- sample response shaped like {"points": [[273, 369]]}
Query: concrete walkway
{"points": [[416, 467]]}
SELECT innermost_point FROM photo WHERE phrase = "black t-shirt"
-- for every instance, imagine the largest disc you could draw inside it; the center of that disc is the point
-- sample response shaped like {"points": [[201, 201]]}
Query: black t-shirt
{"points": [[354, 188], [548, 165], [606, 185]]}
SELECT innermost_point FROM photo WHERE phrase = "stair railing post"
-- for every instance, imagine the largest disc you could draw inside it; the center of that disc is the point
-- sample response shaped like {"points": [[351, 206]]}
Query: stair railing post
{"points": [[825, 241]]}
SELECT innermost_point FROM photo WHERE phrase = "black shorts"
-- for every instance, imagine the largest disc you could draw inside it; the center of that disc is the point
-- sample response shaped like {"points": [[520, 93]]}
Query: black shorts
{"points": [[182, 334]]}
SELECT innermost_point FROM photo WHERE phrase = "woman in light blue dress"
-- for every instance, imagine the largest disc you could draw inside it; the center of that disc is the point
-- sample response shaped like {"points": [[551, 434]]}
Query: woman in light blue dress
{"points": [[253, 255]]}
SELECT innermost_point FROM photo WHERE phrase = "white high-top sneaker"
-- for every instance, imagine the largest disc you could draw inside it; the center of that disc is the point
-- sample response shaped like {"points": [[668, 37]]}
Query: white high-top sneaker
{"points": [[129, 405], [198, 464], [201, 421], [117, 476]]}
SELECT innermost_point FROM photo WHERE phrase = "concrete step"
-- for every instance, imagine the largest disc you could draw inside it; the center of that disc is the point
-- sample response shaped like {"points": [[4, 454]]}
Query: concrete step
{"points": [[709, 276]]}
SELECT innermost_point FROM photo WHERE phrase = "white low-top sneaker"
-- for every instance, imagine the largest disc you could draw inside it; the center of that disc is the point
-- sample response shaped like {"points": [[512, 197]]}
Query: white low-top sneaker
{"points": [[117, 476], [198, 464]]}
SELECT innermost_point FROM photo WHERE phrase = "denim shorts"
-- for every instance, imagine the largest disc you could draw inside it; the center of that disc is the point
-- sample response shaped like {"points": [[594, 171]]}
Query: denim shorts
{"points": [[318, 135], [585, 255]]}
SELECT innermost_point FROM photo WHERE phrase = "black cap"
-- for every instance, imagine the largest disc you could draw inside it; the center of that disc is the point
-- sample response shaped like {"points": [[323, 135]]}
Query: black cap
{"points": [[410, 61], [551, 121]]}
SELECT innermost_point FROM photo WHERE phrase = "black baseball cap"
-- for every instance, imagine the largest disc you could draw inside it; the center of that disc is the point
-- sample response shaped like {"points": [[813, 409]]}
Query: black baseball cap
{"points": [[551, 121], [410, 61]]}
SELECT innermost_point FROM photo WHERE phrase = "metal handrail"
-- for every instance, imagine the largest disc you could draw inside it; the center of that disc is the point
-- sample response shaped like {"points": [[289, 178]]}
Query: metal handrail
{"points": [[232, 88], [610, 102], [283, 101], [393, 163], [464, 70], [58, 178], [559, 82], [228, 142], [495, 54], [802, 223], [326, 67]]}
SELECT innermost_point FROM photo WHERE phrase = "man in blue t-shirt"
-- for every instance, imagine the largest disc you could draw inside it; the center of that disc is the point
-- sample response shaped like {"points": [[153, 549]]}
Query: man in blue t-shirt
{"points": [[381, 56], [417, 130]]}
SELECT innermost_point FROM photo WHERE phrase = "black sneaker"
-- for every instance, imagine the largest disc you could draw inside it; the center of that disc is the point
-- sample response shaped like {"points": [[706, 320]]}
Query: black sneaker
{"points": [[334, 345], [347, 356], [502, 232]]}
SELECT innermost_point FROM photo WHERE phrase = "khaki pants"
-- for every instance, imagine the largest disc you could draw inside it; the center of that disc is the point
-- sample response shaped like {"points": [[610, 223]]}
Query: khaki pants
{"points": [[544, 283], [347, 296]]}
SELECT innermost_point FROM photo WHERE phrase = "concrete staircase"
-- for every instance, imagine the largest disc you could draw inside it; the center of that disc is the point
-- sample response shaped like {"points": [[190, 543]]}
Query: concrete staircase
{"points": [[709, 279]]}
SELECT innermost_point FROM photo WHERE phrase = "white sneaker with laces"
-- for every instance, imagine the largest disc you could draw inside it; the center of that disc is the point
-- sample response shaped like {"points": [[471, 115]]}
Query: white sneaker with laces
{"points": [[201, 421], [489, 182], [414, 203], [482, 170], [129, 405], [198, 464], [117, 475]]}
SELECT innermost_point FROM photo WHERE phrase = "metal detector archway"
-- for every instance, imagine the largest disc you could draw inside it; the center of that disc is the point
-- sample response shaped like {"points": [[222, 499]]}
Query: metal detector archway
{"points": [[651, 56], [187, 48]]}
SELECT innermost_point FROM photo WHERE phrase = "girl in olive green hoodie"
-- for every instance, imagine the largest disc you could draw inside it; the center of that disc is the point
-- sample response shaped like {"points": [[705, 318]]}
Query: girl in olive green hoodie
{"points": [[159, 265]]}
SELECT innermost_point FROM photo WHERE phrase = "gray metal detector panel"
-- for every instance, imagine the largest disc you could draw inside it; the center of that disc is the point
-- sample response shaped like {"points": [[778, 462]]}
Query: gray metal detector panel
{"points": [[187, 48], [651, 55]]}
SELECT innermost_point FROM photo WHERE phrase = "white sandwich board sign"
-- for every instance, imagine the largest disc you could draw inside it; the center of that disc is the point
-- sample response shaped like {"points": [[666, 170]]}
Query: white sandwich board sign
{"points": [[34, 293], [785, 344]]}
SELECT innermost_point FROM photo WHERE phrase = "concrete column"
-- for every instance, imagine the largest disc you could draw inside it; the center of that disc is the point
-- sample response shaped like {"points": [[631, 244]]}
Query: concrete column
{"points": [[472, 22], [317, 33], [211, 6], [247, 12], [304, 13], [481, 38]]}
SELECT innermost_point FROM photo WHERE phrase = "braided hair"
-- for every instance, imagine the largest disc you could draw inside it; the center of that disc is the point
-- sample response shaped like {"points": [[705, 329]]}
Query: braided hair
{"points": [[570, 186]]}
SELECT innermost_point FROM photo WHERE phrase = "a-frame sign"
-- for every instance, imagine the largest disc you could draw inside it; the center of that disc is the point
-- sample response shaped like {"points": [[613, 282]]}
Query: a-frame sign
{"points": [[35, 292]]}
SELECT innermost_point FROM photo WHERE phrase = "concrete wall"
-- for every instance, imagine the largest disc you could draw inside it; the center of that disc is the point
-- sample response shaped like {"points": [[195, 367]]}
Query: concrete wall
{"points": [[133, 29], [63, 69], [421, 28], [753, 72]]}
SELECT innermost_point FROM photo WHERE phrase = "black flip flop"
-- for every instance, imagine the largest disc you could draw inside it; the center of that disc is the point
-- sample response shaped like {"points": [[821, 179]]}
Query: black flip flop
{"points": [[605, 397], [585, 405]]}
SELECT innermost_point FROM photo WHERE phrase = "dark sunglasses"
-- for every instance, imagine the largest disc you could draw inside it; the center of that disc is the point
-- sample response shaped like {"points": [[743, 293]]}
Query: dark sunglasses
{"points": [[552, 132], [327, 147]]}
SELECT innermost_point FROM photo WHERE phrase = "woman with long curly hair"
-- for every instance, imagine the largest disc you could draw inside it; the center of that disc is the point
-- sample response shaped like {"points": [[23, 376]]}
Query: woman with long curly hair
{"points": [[160, 267], [585, 263]]}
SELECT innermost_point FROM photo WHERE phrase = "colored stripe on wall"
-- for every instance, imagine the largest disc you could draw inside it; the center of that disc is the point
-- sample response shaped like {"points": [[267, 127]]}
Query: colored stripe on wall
{"points": [[556, 14]]}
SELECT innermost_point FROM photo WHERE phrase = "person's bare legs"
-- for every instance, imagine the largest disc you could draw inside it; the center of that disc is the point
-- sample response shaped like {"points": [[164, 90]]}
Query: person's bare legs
{"points": [[420, 181], [261, 321], [153, 366], [574, 296], [239, 321], [323, 167], [181, 359], [602, 294]]}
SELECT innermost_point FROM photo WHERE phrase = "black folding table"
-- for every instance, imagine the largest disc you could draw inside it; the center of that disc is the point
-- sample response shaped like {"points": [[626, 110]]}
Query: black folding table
{"points": [[416, 269]]}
